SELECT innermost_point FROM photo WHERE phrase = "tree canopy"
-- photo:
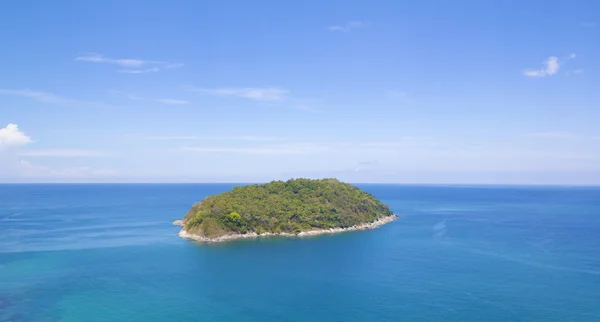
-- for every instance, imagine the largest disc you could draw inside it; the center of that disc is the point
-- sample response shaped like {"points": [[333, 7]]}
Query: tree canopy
{"points": [[284, 206]]}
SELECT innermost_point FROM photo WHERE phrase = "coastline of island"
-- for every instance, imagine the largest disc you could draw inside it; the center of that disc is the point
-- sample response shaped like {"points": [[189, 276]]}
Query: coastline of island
{"points": [[230, 237]]}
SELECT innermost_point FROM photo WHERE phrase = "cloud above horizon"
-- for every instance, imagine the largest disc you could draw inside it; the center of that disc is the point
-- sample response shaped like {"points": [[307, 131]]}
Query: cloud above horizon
{"points": [[346, 27], [266, 94], [13, 166], [287, 149], [551, 67], [555, 135], [11, 135], [138, 71], [64, 153], [37, 95], [135, 97], [231, 138], [130, 65], [171, 101], [46, 97], [288, 146], [29, 170]]}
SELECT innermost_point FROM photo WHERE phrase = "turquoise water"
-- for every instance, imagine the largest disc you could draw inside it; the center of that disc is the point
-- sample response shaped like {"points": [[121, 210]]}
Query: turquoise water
{"points": [[110, 253]]}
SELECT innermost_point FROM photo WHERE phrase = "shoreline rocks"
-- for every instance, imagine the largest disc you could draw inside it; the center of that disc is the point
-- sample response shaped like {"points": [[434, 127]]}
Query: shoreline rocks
{"points": [[379, 222]]}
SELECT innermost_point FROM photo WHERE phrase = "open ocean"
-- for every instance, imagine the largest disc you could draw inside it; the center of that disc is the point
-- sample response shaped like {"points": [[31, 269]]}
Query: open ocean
{"points": [[472, 253]]}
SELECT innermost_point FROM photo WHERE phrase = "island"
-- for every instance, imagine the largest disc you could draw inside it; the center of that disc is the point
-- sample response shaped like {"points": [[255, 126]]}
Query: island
{"points": [[296, 207]]}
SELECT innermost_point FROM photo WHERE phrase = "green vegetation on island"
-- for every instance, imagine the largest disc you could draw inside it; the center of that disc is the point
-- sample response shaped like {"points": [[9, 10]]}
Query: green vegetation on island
{"points": [[292, 207]]}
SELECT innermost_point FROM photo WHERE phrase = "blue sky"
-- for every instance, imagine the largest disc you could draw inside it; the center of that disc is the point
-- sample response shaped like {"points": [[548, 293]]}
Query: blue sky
{"points": [[380, 91]]}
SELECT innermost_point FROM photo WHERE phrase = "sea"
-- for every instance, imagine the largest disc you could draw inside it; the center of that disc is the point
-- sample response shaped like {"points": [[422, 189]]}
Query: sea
{"points": [[109, 252]]}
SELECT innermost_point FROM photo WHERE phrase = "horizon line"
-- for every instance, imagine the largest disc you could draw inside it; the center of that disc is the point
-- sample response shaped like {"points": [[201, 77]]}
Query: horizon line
{"points": [[354, 183]]}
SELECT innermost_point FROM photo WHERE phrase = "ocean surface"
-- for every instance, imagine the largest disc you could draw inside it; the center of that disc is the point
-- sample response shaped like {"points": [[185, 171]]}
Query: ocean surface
{"points": [[110, 253]]}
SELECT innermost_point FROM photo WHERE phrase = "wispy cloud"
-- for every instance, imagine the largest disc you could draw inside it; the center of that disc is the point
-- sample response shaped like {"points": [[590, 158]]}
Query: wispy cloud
{"points": [[292, 149], [11, 135], [46, 97], [551, 67], [138, 71], [401, 142], [288, 146], [37, 95], [588, 24], [401, 96], [273, 97], [290, 103], [123, 62], [224, 138], [133, 66], [171, 101], [174, 138], [348, 26], [266, 94], [575, 72], [64, 153], [12, 164], [35, 171], [159, 100], [554, 135], [135, 97]]}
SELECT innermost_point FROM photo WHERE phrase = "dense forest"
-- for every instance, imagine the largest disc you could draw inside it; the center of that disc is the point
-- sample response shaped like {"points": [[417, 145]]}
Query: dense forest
{"points": [[284, 206]]}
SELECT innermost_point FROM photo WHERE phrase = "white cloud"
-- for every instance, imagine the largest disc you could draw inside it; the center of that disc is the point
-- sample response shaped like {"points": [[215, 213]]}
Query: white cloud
{"points": [[36, 95], [266, 94], [551, 67], [578, 71], [571, 56], [13, 167], [171, 101], [348, 26], [12, 136], [138, 71], [534, 73], [68, 153], [132, 65], [97, 58]]}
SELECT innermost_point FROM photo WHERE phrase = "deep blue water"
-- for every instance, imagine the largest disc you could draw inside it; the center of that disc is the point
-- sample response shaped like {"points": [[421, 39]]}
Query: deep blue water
{"points": [[110, 253]]}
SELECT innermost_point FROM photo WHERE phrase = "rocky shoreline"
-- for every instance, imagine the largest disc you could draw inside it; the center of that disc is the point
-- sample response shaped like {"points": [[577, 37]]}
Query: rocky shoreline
{"points": [[381, 221]]}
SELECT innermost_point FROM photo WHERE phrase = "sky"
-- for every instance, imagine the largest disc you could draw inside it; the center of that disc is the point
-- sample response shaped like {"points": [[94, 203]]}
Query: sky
{"points": [[491, 92]]}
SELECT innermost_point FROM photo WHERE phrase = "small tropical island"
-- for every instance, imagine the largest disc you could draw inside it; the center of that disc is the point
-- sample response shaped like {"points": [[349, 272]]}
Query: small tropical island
{"points": [[297, 207]]}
